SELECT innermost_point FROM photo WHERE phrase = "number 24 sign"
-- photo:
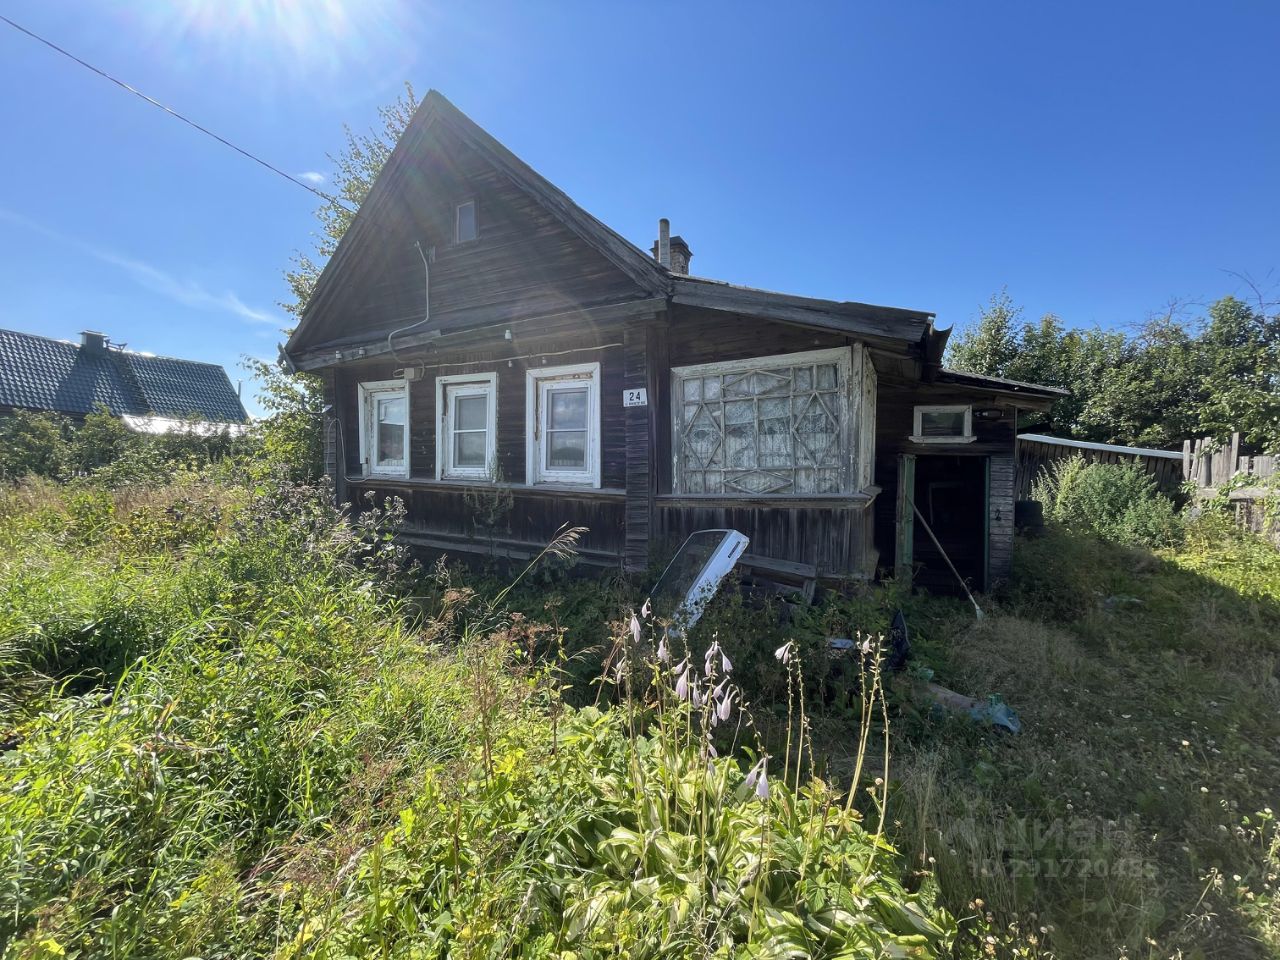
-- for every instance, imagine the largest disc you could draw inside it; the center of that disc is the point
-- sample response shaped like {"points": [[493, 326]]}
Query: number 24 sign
{"points": [[635, 398]]}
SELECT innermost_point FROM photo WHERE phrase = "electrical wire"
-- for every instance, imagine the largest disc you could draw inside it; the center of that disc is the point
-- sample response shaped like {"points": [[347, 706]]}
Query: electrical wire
{"points": [[174, 113]]}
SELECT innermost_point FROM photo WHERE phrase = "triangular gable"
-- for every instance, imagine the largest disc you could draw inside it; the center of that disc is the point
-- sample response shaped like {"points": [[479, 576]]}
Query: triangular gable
{"points": [[362, 264]]}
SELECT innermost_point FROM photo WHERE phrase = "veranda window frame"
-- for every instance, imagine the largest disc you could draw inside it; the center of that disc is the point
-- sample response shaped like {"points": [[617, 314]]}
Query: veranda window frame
{"points": [[846, 392]]}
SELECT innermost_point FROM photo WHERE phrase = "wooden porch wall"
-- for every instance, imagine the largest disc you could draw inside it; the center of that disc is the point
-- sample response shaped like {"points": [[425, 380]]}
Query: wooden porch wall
{"points": [[1000, 482], [833, 533], [896, 402]]}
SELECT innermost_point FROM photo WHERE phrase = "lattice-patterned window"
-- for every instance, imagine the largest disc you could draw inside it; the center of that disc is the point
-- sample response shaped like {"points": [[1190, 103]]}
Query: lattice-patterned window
{"points": [[769, 425]]}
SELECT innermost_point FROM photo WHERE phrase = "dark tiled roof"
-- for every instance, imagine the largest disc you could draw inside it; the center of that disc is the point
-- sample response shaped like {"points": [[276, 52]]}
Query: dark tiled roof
{"points": [[43, 374]]}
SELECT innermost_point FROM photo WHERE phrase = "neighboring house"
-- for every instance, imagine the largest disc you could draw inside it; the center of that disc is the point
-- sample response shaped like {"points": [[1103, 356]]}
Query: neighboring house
{"points": [[476, 328], [150, 394]]}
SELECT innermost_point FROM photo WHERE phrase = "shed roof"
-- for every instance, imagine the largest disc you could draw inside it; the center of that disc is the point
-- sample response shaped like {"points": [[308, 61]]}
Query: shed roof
{"points": [[40, 373]]}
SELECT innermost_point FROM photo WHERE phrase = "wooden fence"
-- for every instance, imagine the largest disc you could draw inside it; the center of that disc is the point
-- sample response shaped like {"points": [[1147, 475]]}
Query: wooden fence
{"points": [[1211, 464], [1037, 452]]}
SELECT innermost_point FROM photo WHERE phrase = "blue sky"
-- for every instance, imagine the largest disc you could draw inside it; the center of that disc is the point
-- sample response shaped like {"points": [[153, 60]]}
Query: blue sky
{"points": [[1097, 159]]}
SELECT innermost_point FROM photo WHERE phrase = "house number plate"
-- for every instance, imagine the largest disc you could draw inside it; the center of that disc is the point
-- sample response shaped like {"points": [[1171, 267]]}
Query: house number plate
{"points": [[635, 398]]}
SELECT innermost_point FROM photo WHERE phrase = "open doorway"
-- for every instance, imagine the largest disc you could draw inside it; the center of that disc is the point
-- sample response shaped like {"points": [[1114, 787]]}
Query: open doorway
{"points": [[950, 493]]}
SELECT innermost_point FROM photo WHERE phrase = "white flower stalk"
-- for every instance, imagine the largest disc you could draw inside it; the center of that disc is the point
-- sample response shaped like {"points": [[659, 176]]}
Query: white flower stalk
{"points": [[724, 707], [709, 660], [758, 779], [682, 684], [695, 692]]}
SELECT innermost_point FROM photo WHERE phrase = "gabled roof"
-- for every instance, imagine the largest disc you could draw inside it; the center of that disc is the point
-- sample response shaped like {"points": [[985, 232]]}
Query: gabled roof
{"points": [[39, 373], [436, 109]]}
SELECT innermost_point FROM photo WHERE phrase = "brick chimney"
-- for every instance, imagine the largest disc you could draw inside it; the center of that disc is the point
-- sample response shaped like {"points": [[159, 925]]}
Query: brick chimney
{"points": [[672, 252], [92, 342]]}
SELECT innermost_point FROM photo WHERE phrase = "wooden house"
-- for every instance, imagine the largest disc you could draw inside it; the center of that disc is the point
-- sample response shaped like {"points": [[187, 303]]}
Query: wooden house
{"points": [[506, 363]]}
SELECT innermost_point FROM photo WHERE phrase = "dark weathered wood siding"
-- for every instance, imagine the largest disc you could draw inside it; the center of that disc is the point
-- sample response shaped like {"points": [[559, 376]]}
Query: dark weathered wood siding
{"points": [[524, 263], [437, 509], [994, 438], [999, 519]]}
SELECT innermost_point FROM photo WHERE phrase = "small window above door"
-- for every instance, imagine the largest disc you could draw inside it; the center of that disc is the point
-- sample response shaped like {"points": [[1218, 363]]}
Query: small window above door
{"points": [[466, 226], [943, 423]]}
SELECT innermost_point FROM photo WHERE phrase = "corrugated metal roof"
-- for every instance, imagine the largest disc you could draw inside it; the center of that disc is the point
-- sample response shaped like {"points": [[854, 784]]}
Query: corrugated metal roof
{"points": [[39, 373]]}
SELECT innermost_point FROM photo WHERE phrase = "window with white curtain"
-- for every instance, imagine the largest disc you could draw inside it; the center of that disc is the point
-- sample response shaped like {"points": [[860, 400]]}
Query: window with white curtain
{"points": [[384, 428], [768, 425], [466, 443]]}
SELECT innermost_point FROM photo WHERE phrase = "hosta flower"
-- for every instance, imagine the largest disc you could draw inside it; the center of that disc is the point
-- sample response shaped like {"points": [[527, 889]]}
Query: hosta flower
{"points": [[709, 659], [725, 665], [664, 653], [724, 709], [682, 684], [784, 652], [758, 779], [644, 611], [635, 628], [695, 691]]}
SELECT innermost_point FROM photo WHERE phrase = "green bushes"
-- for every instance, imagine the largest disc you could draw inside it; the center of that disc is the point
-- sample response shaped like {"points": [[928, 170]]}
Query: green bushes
{"points": [[1119, 502], [253, 748]]}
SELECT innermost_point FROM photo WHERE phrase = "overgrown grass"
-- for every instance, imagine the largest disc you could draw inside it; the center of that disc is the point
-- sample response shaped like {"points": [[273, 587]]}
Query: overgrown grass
{"points": [[227, 736], [1133, 815]]}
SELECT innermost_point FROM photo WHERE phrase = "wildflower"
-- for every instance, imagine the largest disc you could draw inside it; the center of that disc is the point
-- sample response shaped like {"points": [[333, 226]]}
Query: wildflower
{"points": [[711, 655], [695, 694], [682, 684], [664, 653], [724, 707], [726, 666], [635, 628], [758, 779], [644, 611], [620, 670], [783, 653]]}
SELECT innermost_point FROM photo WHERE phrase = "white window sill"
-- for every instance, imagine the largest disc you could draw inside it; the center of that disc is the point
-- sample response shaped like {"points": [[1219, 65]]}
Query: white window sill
{"points": [[968, 439]]}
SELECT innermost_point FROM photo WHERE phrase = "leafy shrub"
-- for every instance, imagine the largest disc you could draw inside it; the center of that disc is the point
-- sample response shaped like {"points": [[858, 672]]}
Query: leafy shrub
{"points": [[32, 444], [291, 764], [1118, 502]]}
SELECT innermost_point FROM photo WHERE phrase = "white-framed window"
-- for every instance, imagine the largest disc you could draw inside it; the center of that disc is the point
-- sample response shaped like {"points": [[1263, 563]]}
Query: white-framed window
{"points": [[943, 423], [466, 226], [767, 425], [384, 428], [563, 405], [466, 441]]}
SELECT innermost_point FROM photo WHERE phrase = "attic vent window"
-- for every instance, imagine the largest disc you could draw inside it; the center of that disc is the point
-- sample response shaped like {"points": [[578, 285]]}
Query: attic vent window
{"points": [[464, 222], [951, 423]]}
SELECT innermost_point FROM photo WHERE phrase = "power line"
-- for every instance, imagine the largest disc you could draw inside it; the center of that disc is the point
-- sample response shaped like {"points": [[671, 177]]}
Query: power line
{"points": [[174, 113]]}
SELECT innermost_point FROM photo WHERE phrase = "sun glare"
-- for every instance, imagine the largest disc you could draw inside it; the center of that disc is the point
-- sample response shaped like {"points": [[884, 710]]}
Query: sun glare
{"points": [[299, 35]]}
